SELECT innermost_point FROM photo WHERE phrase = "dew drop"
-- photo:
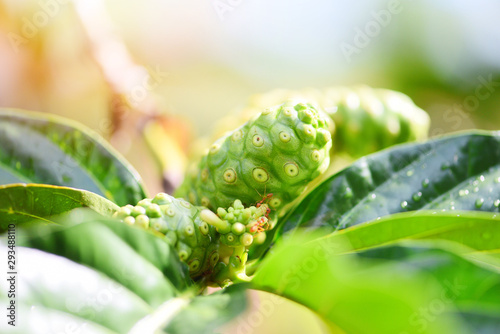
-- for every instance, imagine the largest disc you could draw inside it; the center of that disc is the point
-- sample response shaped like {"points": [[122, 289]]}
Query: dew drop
{"points": [[496, 203], [348, 193], [497, 180], [481, 178], [445, 166], [416, 197], [373, 196], [476, 189], [404, 204], [463, 192], [410, 172], [425, 183], [479, 202]]}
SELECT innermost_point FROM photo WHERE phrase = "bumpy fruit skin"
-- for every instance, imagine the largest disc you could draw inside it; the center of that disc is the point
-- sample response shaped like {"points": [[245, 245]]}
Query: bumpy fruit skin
{"points": [[366, 119], [196, 233], [279, 152], [239, 228], [243, 225], [195, 241]]}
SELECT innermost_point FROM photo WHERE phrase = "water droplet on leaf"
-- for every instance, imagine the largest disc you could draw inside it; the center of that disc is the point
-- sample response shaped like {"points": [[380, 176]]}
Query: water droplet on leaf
{"points": [[348, 192], [479, 202]]}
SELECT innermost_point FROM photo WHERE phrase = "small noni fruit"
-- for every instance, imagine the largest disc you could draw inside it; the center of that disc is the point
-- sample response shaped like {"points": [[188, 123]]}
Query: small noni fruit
{"points": [[194, 240], [196, 233], [365, 119], [278, 152]]}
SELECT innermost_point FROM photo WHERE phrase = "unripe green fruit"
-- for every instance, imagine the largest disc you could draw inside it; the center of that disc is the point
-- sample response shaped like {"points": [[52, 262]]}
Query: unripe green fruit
{"points": [[196, 232], [368, 120], [153, 211], [278, 152], [195, 241], [142, 221], [364, 119], [238, 225], [138, 210]]}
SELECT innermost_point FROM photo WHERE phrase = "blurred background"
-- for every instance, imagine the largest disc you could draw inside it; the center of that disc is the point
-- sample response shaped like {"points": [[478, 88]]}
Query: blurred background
{"points": [[152, 76]]}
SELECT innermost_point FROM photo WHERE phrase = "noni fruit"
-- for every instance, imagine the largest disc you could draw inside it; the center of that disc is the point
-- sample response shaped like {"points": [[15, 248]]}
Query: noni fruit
{"points": [[278, 152]]}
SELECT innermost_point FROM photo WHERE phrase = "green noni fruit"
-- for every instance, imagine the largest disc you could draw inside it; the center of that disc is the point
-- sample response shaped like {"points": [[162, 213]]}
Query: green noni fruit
{"points": [[239, 226], [367, 119], [278, 152], [196, 232], [179, 221]]}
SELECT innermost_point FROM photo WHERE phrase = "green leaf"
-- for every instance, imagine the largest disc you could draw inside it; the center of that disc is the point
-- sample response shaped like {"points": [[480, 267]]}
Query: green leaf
{"points": [[59, 288], [97, 273], [415, 288], [473, 290], [458, 172], [478, 230], [206, 313], [94, 241], [48, 149], [20, 204]]}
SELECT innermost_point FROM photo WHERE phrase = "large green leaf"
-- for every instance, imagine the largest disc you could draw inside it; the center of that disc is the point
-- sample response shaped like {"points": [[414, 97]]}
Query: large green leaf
{"points": [[473, 290], [206, 313], [20, 204], [96, 273], [42, 148], [397, 289], [458, 172], [478, 230]]}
